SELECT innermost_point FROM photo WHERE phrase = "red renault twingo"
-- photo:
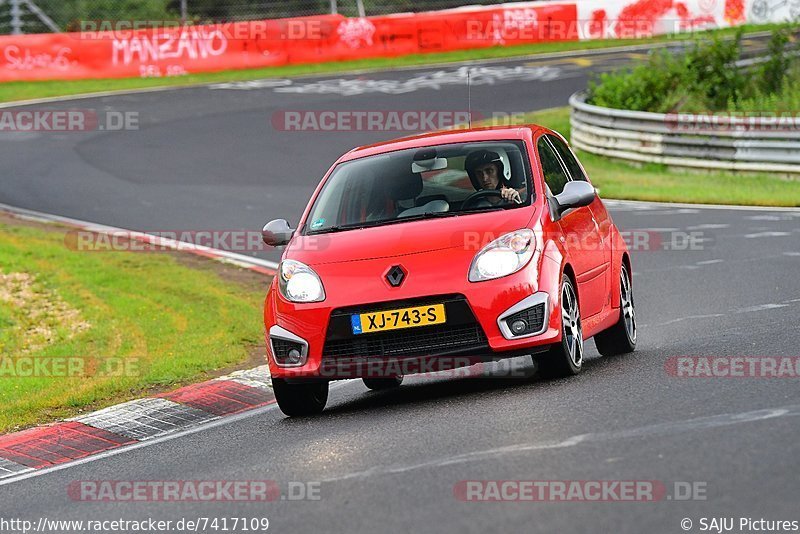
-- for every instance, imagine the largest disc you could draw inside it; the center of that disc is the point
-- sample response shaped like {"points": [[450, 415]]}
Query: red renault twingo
{"points": [[443, 250]]}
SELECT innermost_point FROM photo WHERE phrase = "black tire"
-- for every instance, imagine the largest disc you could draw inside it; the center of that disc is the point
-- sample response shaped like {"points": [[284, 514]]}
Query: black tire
{"points": [[566, 357], [301, 398], [378, 384], [620, 338]]}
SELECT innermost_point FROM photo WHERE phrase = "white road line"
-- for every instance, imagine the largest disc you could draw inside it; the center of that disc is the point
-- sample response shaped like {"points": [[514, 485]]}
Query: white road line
{"points": [[711, 226], [690, 317], [222, 255], [760, 307], [757, 235], [659, 429], [83, 96], [9, 468], [646, 205]]}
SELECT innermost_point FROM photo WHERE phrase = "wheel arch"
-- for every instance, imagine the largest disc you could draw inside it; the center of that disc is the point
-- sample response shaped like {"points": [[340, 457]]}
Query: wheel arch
{"points": [[616, 272], [570, 272]]}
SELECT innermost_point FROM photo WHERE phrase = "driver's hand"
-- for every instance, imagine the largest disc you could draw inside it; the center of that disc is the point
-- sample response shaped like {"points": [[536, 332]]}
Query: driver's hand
{"points": [[510, 195]]}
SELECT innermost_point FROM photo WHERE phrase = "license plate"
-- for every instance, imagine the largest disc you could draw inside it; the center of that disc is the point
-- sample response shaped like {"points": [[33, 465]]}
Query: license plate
{"points": [[365, 323]]}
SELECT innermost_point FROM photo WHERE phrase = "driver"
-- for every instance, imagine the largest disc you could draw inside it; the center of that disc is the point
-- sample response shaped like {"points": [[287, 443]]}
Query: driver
{"points": [[485, 170]]}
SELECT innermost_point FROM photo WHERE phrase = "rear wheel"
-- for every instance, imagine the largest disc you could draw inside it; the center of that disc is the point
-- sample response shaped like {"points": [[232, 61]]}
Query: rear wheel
{"points": [[378, 384], [620, 338], [566, 357], [300, 398]]}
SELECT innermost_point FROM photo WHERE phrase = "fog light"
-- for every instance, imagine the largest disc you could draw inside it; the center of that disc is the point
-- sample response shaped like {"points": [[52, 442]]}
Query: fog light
{"points": [[293, 357], [287, 349], [519, 327]]}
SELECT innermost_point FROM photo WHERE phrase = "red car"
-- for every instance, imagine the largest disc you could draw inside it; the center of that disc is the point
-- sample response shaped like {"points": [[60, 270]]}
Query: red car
{"points": [[441, 250]]}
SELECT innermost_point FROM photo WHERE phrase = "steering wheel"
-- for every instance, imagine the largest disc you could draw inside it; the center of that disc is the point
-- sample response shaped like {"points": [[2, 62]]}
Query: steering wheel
{"points": [[477, 196]]}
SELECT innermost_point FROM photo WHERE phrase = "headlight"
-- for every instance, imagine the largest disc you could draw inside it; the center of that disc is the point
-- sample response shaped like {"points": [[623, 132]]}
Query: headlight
{"points": [[299, 283], [503, 256]]}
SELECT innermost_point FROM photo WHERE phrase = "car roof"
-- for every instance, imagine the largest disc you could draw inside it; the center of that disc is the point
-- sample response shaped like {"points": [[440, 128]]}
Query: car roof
{"points": [[490, 133]]}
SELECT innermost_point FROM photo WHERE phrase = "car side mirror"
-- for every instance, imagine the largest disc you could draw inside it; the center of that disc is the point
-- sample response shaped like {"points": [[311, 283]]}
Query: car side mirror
{"points": [[277, 233], [575, 195]]}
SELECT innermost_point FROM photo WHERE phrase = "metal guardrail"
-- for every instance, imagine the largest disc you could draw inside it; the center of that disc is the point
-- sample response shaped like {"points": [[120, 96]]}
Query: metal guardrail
{"points": [[697, 141]]}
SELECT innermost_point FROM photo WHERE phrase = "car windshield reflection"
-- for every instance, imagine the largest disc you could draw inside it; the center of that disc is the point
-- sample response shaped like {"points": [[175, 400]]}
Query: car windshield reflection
{"points": [[420, 183]]}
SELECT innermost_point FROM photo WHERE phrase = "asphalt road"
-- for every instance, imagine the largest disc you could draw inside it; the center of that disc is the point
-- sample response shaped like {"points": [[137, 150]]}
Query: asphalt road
{"points": [[209, 158]]}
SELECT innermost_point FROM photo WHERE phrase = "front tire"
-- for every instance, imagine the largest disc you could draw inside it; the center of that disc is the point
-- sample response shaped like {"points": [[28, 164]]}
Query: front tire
{"points": [[620, 338], [566, 357], [380, 384], [301, 398]]}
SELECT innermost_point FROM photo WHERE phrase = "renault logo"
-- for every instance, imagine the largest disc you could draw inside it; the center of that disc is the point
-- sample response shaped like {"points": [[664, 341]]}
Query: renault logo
{"points": [[395, 276]]}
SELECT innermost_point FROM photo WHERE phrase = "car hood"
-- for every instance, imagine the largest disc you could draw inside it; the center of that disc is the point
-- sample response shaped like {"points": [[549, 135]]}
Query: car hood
{"points": [[471, 231]]}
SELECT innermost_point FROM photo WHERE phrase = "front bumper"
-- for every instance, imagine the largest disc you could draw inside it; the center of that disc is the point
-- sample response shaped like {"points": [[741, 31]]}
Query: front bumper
{"points": [[476, 329]]}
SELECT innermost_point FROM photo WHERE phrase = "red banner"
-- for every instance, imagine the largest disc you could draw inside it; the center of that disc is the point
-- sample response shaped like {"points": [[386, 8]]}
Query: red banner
{"points": [[119, 49]]}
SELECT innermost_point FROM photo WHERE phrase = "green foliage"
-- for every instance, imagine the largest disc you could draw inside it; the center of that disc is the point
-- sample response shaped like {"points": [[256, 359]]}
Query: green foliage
{"points": [[704, 78], [710, 71], [201, 11], [773, 72], [785, 100], [642, 88], [69, 14]]}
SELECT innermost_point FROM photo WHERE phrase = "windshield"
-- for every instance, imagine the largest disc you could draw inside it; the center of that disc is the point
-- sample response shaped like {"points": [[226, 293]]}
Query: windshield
{"points": [[436, 181]]}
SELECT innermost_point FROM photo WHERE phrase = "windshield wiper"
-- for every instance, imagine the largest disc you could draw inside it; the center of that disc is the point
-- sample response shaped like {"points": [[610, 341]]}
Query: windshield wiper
{"points": [[428, 215], [343, 227], [482, 210], [324, 230]]}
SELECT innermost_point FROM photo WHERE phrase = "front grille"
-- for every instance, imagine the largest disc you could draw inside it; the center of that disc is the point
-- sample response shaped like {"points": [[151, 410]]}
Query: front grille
{"points": [[533, 317], [461, 334], [422, 341], [282, 347]]}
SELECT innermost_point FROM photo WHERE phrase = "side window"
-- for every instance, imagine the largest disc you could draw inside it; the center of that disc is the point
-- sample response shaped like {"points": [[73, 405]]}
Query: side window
{"points": [[554, 173], [569, 158]]}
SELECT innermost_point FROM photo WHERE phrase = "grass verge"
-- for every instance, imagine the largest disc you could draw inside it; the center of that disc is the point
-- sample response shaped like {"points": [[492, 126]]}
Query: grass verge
{"points": [[13, 91], [121, 324], [621, 180]]}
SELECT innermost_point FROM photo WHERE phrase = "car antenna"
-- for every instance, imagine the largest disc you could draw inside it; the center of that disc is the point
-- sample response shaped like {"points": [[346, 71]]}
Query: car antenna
{"points": [[469, 98]]}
